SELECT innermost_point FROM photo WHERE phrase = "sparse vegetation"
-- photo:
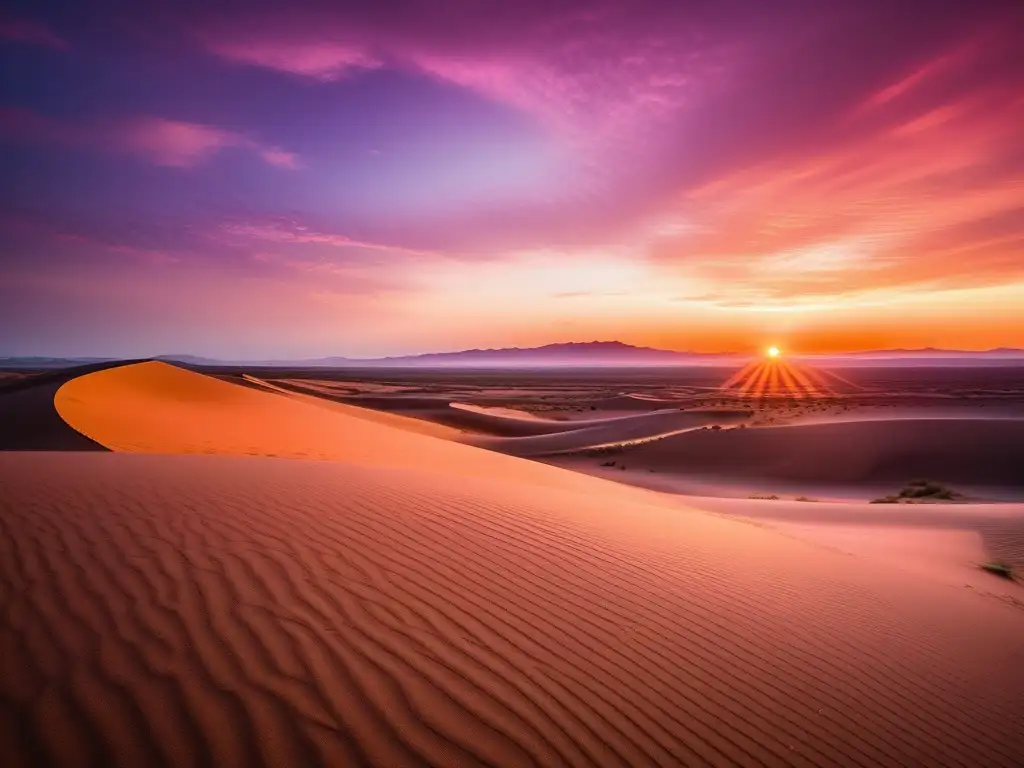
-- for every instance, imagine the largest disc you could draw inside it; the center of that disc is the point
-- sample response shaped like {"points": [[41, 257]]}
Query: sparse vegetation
{"points": [[805, 498], [918, 491], [764, 496], [604, 450], [999, 569]]}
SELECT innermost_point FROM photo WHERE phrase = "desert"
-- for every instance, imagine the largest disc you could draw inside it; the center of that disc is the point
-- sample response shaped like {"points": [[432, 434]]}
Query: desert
{"points": [[249, 573]]}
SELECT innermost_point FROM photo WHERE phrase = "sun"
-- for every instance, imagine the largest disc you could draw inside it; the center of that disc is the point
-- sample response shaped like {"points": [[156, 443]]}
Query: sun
{"points": [[774, 352]]}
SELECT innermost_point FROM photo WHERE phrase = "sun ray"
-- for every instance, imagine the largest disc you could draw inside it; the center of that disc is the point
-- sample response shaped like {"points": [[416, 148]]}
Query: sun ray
{"points": [[741, 375], [789, 382], [746, 390], [773, 386], [806, 382]]}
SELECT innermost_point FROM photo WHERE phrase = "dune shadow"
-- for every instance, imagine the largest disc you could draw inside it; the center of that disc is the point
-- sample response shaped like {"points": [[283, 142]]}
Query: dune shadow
{"points": [[29, 420]]}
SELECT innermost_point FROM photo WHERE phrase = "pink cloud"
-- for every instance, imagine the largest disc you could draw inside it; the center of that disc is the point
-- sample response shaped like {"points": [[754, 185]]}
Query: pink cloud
{"points": [[285, 231], [595, 90], [933, 198], [170, 143], [25, 31], [319, 60], [279, 158], [180, 144], [173, 143], [575, 74]]}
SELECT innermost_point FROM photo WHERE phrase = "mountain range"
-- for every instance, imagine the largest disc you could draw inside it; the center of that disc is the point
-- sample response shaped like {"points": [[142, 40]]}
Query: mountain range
{"points": [[579, 354]]}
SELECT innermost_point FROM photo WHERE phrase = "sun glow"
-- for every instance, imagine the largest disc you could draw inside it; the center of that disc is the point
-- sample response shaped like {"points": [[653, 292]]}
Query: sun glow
{"points": [[774, 352]]}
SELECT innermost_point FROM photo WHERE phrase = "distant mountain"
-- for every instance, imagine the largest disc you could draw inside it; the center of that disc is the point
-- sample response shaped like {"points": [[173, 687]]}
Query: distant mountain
{"points": [[593, 353], [578, 354]]}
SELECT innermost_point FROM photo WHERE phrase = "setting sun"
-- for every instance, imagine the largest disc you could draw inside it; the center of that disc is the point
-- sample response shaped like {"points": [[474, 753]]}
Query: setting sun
{"points": [[773, 352]]}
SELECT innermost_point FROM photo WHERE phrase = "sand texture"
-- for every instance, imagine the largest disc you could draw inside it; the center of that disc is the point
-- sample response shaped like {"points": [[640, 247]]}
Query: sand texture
{"points": [[190, 610]]}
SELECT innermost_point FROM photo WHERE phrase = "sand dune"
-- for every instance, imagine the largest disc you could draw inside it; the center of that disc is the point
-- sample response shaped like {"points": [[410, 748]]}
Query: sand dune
{"points": [[405, 423], [970, 451], [188, 610], [631, 401], [154, 407], [582, 435]]}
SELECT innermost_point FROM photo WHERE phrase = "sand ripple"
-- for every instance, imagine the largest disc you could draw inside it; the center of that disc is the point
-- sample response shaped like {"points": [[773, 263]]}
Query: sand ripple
{"points": [[197, 610]]}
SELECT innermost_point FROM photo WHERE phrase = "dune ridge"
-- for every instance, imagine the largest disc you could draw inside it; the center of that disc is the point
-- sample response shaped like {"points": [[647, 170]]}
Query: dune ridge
{"points": [[588, 434], [194, 610]]}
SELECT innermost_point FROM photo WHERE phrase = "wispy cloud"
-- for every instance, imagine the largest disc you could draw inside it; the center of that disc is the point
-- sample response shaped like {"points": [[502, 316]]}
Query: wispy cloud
{"points": [[285, 230], [161, 141], [181, 144], [572, 69], [903, 201], [322, 60]]}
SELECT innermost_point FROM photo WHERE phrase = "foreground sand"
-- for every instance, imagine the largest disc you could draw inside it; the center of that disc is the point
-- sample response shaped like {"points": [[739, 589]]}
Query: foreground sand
{"points": [[195, 610], [408, 600]]}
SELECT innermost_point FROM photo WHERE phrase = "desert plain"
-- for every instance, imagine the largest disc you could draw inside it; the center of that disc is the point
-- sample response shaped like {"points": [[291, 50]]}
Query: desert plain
{"points": [[689, 566]]}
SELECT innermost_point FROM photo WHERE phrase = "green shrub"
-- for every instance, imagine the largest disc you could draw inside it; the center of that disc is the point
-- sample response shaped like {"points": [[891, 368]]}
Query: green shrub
{"points": [[999, 569]]}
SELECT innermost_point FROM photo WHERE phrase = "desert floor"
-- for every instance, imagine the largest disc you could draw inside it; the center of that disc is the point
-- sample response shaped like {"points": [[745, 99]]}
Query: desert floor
{"points": [[285, 568]]}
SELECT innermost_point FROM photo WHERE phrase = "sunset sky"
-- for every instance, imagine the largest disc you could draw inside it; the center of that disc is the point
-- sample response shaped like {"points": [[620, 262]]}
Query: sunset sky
{"points": [[293, 179]]}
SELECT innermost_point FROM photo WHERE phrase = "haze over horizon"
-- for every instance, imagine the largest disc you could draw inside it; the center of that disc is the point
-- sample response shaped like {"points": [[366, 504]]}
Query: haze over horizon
{"points": [[317, 179]]}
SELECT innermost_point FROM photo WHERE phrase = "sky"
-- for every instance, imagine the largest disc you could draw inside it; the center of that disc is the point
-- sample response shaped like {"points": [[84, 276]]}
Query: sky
{"points": [[301, 179]]}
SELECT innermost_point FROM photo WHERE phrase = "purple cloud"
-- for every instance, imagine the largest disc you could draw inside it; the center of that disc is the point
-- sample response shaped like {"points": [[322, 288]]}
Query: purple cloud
{"points": [[170, 143], [183, 145]]}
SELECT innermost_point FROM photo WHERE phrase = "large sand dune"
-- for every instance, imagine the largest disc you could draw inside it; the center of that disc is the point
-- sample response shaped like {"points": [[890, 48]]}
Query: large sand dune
{"points": [[188, 610], [154, 407]]}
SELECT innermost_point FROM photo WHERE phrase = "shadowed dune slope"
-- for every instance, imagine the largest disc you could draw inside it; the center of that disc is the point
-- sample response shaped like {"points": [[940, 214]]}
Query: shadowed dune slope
{"points": [[321, 400], [977, 451], [186, 610], [29, 420]]}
